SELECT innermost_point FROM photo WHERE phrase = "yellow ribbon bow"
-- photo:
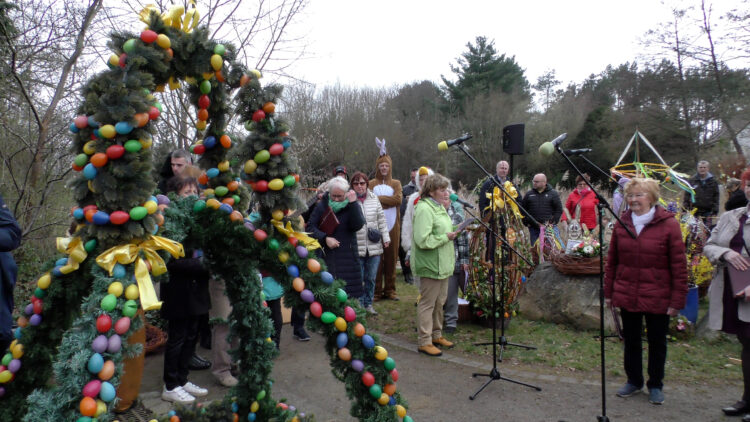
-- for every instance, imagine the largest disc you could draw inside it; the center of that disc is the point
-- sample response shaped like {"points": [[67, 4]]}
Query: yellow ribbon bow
{"points": [[309, 242], [73, 247], [173, 17], [126, 254], [498, 199]]}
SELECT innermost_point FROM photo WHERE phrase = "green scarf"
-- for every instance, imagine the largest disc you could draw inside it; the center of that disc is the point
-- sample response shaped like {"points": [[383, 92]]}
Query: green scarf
{"points": [[337, 206]]}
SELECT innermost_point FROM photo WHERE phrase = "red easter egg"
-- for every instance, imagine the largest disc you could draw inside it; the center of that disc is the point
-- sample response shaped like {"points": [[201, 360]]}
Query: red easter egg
{"points": [[276, 149], [260, 235], [394, 375], [89, 214], [38, 307], [259, 115], [148, 36], [293, 240], [261, 186], [203, 179], [99, 159], [81, 121], [77, 168], [153, 113], [92, 388], [103, 323], [220, 76], [350, 314], [123, 59], [119, 217], [368, 379], [141, 119], [316, 309], [204, 101], [199, 149], [115, 151], [296, 178], [233, 185], [89, 207], [122, 325], [228, 200]]}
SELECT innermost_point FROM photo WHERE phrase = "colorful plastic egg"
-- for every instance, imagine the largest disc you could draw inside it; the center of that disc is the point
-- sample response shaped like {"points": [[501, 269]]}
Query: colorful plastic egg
{"points": [[328, 317], [276, 184], [91, 389], [342, 340], [99, 345], [109, 302], [95, 363], [115, 288], [107, 392], [316, 309], [262, 156], [130, 308], [340, 324], [358, 365], [122, 325], [308, 297], [344, 354], [114, 343], [349, 314], [368, 342]]}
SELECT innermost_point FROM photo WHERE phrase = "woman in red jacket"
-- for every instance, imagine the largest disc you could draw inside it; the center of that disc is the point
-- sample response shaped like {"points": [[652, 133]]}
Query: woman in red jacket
{"points": [[585, 198], [646, 277]]}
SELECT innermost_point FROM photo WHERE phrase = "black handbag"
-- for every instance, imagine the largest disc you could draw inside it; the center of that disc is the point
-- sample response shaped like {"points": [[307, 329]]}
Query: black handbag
{"points": [[373, 235]]}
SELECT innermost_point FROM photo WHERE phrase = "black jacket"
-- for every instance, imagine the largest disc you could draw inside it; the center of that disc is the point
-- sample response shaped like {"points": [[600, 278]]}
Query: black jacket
{"points": [[706, 195], [737, 199], [186, 292], [545, 207], [407, 190], [10, 238], [342, 262]]}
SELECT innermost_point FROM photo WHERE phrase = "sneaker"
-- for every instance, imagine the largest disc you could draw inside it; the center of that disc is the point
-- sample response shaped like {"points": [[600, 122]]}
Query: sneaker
{"points": [[194, 389], [370, 310], [198, 363], [301, 335], [655, 396], [177, 395], [430, 350], [628, 390], [442, 341], [227, 380]]}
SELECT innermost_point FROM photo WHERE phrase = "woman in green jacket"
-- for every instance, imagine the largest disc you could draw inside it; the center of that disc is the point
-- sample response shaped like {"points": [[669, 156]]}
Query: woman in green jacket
{"points": [[433, 260]]}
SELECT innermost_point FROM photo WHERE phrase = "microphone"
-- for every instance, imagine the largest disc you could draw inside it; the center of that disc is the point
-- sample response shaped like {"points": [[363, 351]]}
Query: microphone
{"points": [[548, 148], [444, 145], [579, 151], [455, 198]]}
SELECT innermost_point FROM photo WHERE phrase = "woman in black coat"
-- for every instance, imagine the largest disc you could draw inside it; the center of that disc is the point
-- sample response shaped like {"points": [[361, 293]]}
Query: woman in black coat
{"points": [[339, 242]]}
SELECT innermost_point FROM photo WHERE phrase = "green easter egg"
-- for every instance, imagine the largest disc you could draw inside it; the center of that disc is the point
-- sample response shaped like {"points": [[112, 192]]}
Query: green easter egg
{"points": [[205, 87], [408, 418], [133, 146], [389, 363], [262, 156], [6, 359], [220, 49], [40, 293], [289, 180], [90, 245], [109, 302], [138, 213], [328, 317], [159, 107], [376, 391], [273, 244], [81, 160], [130, 308], [221, 190], [261, 395], [199, 206], [236, 199], [249, 125], [129, 46], [341, 295]]}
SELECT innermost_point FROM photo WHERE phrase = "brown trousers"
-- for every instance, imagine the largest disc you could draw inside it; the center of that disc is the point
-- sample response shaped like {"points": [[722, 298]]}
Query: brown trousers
{"points": [[132, 371], [385, 281]]}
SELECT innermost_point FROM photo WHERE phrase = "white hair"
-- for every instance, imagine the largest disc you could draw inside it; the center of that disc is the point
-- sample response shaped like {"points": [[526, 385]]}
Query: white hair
{"points": [[338, 182]]}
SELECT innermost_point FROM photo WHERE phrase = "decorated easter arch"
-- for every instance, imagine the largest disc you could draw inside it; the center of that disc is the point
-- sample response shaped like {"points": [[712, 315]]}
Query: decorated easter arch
{"points": [[124, 236]]}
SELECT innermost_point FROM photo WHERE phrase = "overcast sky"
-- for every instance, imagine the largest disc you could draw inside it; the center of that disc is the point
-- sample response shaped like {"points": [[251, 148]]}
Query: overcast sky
{"points": [[387, 42]]}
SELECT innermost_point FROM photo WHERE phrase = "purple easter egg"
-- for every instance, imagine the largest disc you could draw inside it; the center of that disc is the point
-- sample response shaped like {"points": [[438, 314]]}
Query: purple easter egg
{"points": [[14, 365], [162, 199], [29, 309], [114, 344], [248, 225], [2, 391], [358, 365], [301, 251], [100, 343], [35, 319], [307, 296]]}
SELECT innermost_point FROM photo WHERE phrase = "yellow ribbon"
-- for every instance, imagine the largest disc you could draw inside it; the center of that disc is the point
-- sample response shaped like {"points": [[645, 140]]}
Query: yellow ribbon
{"points": [[73, 247], [126, 254], [498, 199], [173, 17], [309, 242]]}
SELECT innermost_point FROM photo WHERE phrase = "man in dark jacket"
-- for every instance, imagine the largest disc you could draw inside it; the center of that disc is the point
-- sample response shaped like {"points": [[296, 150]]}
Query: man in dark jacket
{"points": [[706, 189], [407, 190], [10, 238], [543, 203]]}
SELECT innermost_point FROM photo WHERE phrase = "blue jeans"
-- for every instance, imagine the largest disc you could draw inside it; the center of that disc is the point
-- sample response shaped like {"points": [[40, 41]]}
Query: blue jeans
{"points": [[369, 272]]}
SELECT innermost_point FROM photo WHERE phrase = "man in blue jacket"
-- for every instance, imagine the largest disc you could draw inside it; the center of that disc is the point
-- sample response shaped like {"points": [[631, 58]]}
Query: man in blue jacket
{"points": [[10, 238]]}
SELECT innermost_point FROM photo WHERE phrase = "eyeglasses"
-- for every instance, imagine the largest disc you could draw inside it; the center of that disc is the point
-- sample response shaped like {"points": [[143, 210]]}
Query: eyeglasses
{"points": [[337, 197], [636, 195], [359, 183]]}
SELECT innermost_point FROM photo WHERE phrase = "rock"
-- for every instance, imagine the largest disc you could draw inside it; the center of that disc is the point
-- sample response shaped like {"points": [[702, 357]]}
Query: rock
{"points": [[570, 300]]}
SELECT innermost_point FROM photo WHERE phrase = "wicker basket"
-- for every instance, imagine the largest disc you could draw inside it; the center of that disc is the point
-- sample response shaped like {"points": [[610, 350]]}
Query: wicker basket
{"points": [[574, 265], [155, 339]]}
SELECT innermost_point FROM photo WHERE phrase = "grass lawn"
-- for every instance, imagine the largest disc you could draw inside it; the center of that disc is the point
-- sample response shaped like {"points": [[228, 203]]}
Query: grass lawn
{"points": [[565, 351]]}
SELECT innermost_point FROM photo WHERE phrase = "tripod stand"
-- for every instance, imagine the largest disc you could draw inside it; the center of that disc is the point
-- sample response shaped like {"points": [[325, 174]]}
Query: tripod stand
{"points": [[494, 373]]}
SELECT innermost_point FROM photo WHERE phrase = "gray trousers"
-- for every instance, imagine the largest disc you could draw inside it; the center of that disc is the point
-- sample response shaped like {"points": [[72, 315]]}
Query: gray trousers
{"points": [[451, 300]]}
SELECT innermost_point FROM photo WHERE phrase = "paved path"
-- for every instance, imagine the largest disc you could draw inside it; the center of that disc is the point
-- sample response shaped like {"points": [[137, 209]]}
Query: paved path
{"points": [[438, 389]]}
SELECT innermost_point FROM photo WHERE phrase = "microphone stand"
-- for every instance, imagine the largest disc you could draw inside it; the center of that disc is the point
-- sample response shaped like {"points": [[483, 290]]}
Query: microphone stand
{"points": [[600, 215], [494, 373]]}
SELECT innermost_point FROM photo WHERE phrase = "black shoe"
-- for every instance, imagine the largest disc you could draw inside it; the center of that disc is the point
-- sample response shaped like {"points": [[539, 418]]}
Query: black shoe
{"points": [[301, 335], [737, 409], [197, 363]]}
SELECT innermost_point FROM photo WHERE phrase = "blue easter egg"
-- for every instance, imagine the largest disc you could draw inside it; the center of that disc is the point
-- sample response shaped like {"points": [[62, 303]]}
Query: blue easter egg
{"points": [[226, 208], [119, 271], [17, 333], [286, 144], [61, 261], [101, 218], [342, 340], [56, 271], [93, 123], [292, 270], [123, 128], [251, 416], [73, 128], [78, 214], [29, 309], [96, 362], [326, 277], [97, 133], [107, 392], [392, 401], [368, 341], [235, 407], [155, 229], [209, 142], [35, 319], [89, 172], [171, 413], [212, 172]]}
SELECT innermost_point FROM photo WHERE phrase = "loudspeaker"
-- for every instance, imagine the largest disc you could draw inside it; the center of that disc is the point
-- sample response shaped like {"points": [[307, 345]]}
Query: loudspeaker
{"points": [[513, 139]]}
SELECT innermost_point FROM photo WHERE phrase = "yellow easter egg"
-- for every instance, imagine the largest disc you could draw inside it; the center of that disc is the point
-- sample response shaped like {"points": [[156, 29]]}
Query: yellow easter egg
{"points": [[18, 351], [213, 203], [88, 147], [256, 73], [209, 192], [250, 166], [216, 61], [44, 281], [384, 399], [108, 131], [115, 289], [131, 292], [223, 166], [151, 206], [380, 353], [91, 186], [276, 184], [254, 407], [101, 407], [283, 256], [163, 41], [146, 143], [200, 124], [5, 376], [400, 411], [114, 60], [208, 75], [277, 214], [340, 324]]}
